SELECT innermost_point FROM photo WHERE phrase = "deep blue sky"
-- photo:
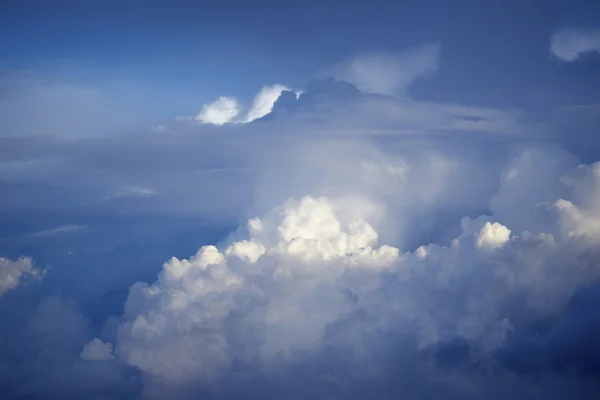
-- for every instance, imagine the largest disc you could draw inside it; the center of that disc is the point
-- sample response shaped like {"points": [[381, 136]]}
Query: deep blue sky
{"points": [[206, 48]]}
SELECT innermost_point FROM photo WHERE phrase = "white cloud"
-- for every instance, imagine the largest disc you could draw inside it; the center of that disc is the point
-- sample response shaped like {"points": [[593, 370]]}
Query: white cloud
{"points": [[97, 350], [387, 72], [358, 254], [221, 111], [492, 236], [316, 262], [12, 273], [229, 110], [571, 44], [299, 244], [60, 229], [264, 101]]}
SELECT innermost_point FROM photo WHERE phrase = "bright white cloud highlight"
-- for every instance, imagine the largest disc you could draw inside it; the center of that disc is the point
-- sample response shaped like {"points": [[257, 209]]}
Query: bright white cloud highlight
{"points": [[221, 111], [264, 101], [229, 110], [293, 248], [571, 44], [12, 273], [492, 236]]}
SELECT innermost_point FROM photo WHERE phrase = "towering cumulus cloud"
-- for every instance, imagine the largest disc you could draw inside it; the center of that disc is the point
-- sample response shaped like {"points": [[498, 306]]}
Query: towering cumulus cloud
{"points": [[278, 281], [309, 283], [290, 200]]}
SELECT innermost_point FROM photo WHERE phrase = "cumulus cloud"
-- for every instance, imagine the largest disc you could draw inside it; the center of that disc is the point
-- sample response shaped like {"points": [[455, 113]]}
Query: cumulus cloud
{"points": [[389, 73], [13, 273], [312, 275], [571, 44], [387, 250], [301, 241], [492, 236], [221, 111]]}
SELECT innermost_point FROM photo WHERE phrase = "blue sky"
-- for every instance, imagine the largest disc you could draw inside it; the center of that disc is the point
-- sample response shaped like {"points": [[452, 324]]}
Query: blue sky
{"points": [[301, 199], [196, 50]]}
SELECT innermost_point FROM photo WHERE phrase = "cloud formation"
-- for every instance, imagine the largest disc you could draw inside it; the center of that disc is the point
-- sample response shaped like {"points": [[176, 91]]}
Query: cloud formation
{"points": [[264, 101], [392, 245], [228, 110], [312, 275], [13, 273], [219, 112], [97, 350], [571, 44], [59, 230], [389, 73]]}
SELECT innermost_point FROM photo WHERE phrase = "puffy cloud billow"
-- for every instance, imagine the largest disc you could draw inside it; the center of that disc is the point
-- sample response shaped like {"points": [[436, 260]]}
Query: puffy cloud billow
{"points": [[13, 273], [219, 112], [311, 283]]}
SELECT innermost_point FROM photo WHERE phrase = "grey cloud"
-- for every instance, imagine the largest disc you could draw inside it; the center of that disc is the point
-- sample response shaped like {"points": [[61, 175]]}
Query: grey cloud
{"points": [[572, 44]]}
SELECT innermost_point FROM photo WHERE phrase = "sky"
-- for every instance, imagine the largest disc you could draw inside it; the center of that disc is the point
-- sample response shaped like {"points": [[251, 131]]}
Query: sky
{"points": [[281, 200]]}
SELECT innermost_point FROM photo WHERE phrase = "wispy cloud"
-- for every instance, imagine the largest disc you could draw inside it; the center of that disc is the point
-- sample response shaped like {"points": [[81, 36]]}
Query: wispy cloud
{"points": [[389, 73], [59, 230], [135, 191], [209, 171], [570, 44], [264, 101]]}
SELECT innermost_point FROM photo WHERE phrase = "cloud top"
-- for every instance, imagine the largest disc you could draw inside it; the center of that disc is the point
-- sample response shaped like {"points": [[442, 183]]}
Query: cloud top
{"points": [[390, 73], [97, 350]]}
